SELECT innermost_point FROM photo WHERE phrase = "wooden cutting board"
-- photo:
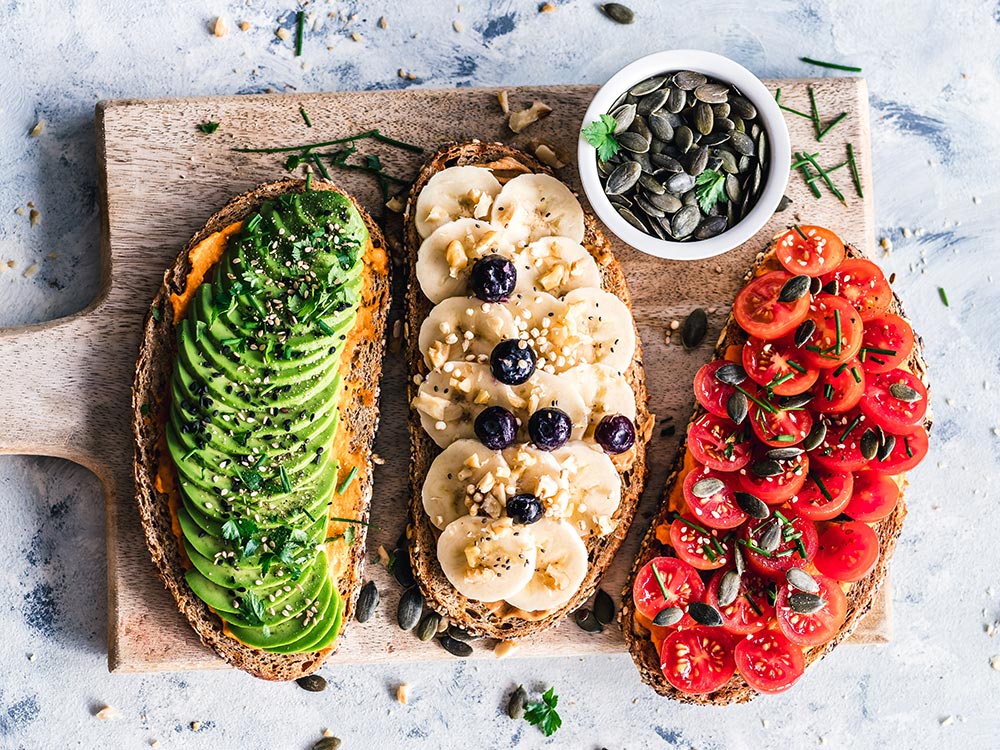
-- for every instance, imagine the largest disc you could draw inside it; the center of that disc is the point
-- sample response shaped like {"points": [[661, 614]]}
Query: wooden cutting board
{"points": [[66, 384]]}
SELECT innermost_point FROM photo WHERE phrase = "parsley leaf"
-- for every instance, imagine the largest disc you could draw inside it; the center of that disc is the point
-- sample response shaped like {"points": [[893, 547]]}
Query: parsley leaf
{"points": [[543, 715], [156, 313], [208, 127], [601, 135], [710, 188], [251, 609]]}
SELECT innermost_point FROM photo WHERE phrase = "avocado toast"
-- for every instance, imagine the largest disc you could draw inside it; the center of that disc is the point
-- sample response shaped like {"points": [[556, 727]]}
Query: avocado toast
{"points": [[255, 404]]}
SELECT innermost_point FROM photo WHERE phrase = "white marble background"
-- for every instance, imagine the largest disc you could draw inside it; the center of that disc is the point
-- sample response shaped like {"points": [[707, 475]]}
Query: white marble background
{"points": [[932, 68]]}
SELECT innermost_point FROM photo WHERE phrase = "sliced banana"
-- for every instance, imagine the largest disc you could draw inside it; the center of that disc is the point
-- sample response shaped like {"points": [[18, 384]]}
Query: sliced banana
{"points": [[599, 328], [487, 559], [533, 471], [446, 257], [604, 390], [544, 390], [595, 490], [455, 193], [555, 265], [449, 400], [462, 327], [466, 478], [560, 567], [532, 206]]}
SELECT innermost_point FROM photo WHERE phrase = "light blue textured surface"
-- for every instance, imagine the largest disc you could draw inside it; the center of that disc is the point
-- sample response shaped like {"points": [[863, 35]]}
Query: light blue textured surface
{"points": [[932, 69]]}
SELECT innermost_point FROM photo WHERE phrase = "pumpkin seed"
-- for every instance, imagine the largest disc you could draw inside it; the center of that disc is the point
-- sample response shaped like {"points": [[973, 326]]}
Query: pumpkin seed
{"points": [[661, 127], [411, 606], [797, 401], [620, 200], [731, 374], [744, 164], [742, 143], [454, 646], [666, 162], [633, 142], [618, 13], [688, 80], [801, 580], [666, 202], [704, 614], [696, 323], [704, 118], [604, 607], [715, 138], [743, 107], [605, 167], [752, 505], [460, 634], [402, 571], [816, 286], [771, 537], [712, 93], [707, 487], [737, 407], [804, 332], [805, 603], [650, 103], [624, 116], [650, 184], [816, 436], [733, 190], [784, 454], [585, 620], [631, 218], [648, 208], [428, 626], [684, 223], [869, 444], [783, 204], [741, 565], [517, 702], [761, 148], [795, 288], [698, 162], [903, 392], [729, 588], [690, 198], [623, 178], [766, 467], [832, 287], [314, 683], [680, 183], [327, 743], [683, 138], [757, 180], [712, 226], [367, 602], [668, 616], [721, 110], [676, 101], [648, 86]]}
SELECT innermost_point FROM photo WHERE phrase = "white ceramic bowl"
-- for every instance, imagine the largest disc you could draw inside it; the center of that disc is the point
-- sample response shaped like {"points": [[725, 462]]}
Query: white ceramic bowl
{"points": [[724, 70]]}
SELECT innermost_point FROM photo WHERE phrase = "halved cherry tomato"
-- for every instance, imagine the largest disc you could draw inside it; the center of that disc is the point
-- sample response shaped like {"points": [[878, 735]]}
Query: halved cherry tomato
{"points": [[788, 554], [840, 389], [780, 428], [698, 660], [832, 315], [875, 497], [818, 252], [718, 510], [863, 284], [769, 662], [680, 582], [908, 451], [819, 627], [711, 392], [847, 551], [758, 311], [824, 495], [752, 609], [841, 448], [716, 442], [780, 488], [698, 546], [776, 363], [888, 340], [886, 409]]}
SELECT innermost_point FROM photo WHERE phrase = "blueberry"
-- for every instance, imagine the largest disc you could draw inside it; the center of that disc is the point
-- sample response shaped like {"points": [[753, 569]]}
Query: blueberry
{"points": [[524, 508], [512, 361], [549, 428], [493, 278], [615, 433], [496, 428]]}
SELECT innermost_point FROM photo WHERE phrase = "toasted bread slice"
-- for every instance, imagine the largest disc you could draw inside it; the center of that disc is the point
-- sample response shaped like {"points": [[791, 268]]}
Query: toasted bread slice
{"points": [[361, 370], [861, 594], [498, 620]]}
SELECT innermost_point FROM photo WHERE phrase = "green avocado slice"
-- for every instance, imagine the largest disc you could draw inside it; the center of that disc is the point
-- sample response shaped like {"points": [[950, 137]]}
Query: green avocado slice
{"points": [[268, 637]]}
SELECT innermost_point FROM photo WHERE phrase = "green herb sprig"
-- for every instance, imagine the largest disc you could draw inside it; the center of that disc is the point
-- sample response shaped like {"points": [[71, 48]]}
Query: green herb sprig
{"points": [[208, 127], [601, 135], [543, 714], [709, 189], [832, 66]]}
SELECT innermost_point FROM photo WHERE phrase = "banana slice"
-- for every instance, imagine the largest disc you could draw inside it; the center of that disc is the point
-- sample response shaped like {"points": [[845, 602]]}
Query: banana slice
{"points": [[560, 567], [604, 390], [595, 490], [445, 258], [455, 193], [487, 559], [465, 479], [556, 265], [533, 471], [544, 390], [461, 327], [532, 206], [599, 328], [450, 399]]}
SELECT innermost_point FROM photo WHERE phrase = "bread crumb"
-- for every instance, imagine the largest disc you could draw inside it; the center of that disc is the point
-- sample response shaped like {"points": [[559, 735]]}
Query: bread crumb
{"points": [[547, 155], [947, 721], [505, 648], [403, 693], [458, 26], [401, 73], [244, 26], [328, 733], [11, 263], [219, 28], [34, 216], [546, 8], [107, 713], [518, 121], [995, 662], [283, 34], [154, 743], [356, 36], [377, 459], [19, 211], [907, 232], [977, 200], [502, 97], [30, 271], [383, 555], [886, 244], [37, 130], [195, 726], [674, 325], [32, 657], [382, 23]]}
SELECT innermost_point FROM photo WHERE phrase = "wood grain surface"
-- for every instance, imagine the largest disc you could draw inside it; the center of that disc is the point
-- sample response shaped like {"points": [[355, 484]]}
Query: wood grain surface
{"points": [[66, 384]]}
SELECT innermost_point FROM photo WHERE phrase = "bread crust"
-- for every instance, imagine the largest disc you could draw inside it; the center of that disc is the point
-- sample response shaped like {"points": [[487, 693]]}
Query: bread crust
{"points": [[478, 617], [861, 594], [150, 399]]}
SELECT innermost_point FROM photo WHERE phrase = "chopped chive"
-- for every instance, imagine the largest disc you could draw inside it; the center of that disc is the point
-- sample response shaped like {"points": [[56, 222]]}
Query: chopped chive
{"points": [[813, 348], [828, 392], [830, 169], [944, 296], [374, 133], [834, 66], [906, 444], [796, 366], [826, 179], [762, 404], [850, 428], [784, 553], [828, 128], [779, 379], [856, 374], [305, 117], [822, 487], [190, 453], [286, 484], [718, 547], [342, 487], [753, 605], [777, 100], [309, 180], [802, 234], [854, 170], [256, 305], [659, 581], [815, 114], [309, 515], [836, 318], [839, 370], [319, 165], [876, 350], [801, 547], [300, 21], [783, 518], [707, 549], [349, 520], [877, 361], [784, 438], [753, 547], [799, 162], [808, 174], [862, 354], [322, 326], [694, 526]]}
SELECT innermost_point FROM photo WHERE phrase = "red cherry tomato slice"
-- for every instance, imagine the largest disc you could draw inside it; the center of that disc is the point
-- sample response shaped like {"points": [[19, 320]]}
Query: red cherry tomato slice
{"points": [[887, 341], [819, 252], [832, 315], [780, 428], [680, 582], [699, 546], [841, 448], [863, 284], [908, 451], [715, 442], [874, 498], [776, 364], [788, 553], [847, 551], [752, 609], [718, 510], [769, 662], [698, 660], [819, 627], [840, 389], [780, 488], [711, 392], [886, 409], [758, 311], [824, 495]]}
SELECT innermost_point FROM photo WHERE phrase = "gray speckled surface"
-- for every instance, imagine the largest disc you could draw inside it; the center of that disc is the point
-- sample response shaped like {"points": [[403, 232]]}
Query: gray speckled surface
{"points": [[935, 91]]}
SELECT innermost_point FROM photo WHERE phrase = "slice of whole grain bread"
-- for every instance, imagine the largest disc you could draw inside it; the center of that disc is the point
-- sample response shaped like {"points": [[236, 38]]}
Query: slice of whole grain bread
{"points": [[362, 368], [861, 594], [484, 618]]}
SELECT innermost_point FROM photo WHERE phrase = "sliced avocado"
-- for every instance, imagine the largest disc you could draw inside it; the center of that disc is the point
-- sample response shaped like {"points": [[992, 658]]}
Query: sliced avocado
{"points": [[268, 637]]}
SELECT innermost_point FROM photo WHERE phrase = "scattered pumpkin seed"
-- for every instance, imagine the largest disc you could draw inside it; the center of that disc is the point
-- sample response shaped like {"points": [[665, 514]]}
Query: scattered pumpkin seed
{"points": [[461, 634], [886, 447], [618, 13], [740, 563], [428, 626], [704, 614], [712, 93], [688, 80], [633, 142], [707, 487], [795, 288], [805, 603], [647, 86], [737, 407], [411, 606], [742, 143], [801, 580], [832, 287], [731, 374], [517, 702], [685, 221], [903, 392], [752, 505], [771, 537], [623, 178], [797, 401], [402, 571], [585, 620], [869, 444], [816, 285], [624, 116], [816, 436], [729, 588], [314, 683], [604, 607], [668, 616], [766, 467], [695, 324], [367, 602], [804, 332], [454, 646], [327, 743], [784, 453]]}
